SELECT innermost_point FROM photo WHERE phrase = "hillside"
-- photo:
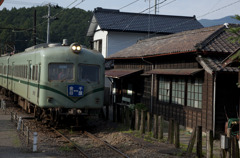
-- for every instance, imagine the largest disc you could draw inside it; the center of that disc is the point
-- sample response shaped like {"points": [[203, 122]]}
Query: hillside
{"points": [[227, 19], [16, 26]]}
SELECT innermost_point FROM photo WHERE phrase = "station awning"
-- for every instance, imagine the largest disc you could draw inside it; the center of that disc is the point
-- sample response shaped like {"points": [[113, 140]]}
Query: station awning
{"points": [[118, 73], [183, 72]]}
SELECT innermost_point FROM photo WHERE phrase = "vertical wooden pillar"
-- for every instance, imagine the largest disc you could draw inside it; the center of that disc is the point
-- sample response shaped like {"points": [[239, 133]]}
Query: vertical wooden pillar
{"points": [[127, 122], [171, 131], [199, 141], [107, 112], [118, 113], [229, 143], [114, 112], [176, 130], [210, 144], [191, 141], [160, 127], [143, 116], [155, 124], [136, 119], [149, 122]]}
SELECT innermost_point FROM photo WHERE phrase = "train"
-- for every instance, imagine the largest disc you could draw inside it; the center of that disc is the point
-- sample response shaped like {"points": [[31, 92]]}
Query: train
{"points": [[54, 81]]}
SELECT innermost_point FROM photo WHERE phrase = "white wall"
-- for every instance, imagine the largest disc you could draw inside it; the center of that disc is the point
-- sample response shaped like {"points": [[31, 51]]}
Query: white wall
{"points": [[101, 35], [113, 42], [120, 40]]}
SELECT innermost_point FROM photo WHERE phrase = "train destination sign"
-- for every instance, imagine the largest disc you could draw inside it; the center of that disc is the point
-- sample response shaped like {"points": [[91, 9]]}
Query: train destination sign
{"points": [[75, 90]]}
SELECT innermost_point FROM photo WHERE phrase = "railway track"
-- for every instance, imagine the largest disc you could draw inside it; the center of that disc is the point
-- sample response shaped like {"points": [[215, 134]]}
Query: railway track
{"points": [[90, 146]]}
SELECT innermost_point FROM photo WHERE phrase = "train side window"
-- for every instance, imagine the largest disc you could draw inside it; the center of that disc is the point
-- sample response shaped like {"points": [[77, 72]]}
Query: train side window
{"points": [[60, 71], [88, 73]]}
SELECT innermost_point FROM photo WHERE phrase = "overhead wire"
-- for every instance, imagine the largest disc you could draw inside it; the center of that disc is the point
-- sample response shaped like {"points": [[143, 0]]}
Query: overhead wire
{"points": [[179, 24]]}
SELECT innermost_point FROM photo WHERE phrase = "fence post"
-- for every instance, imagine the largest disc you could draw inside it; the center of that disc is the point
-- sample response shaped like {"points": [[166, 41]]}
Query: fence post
{"points": [[127, 116], [199, 141], [19, 123], [142, 127], [160, 127], [191, 141], [229, 143], [15, 119], [155, 124], [11, 116], [149, 122], [171, 131], [136, 120], [23, 127], [176, 130], [27, 135], [210, 144], [35, 141]]}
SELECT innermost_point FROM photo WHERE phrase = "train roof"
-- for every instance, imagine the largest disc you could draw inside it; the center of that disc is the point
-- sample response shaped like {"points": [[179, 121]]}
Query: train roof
{"points": [[43, 45]]}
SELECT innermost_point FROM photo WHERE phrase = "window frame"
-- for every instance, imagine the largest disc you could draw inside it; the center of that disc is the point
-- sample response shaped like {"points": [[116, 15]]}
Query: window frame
{"points": [[184, 90]]}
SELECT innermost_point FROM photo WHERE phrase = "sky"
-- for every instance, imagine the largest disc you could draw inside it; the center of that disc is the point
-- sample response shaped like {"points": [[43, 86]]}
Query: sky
{"points": [[202, 9]]}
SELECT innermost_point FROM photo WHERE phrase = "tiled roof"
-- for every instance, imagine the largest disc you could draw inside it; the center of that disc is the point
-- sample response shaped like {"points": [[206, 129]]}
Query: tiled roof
{"points": [[115, 20], [214, 64], [210, 39]]}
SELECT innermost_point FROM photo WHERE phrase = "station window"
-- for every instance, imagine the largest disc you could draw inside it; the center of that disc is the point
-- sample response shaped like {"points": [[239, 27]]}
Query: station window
{"points": [[180, 90]]}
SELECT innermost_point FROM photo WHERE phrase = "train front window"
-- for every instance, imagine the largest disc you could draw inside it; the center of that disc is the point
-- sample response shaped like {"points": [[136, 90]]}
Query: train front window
{"points": [[60, 72], [88, 73]]}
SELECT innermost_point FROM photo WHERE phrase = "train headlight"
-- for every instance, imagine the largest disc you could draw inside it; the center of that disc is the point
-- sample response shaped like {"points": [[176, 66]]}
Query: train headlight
{"points": [[75, 47]]}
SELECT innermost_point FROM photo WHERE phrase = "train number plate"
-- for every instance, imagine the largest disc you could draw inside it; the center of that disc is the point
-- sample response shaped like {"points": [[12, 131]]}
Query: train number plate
{"points": [[75, 90]]}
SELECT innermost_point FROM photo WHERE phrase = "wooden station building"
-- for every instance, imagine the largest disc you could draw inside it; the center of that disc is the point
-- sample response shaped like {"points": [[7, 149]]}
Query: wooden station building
{"points": [[181, 76]]}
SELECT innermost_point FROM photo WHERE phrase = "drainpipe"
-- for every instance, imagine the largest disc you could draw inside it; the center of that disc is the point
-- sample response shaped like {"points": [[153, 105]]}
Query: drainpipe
{"points": [[151, 102], [214, 101]]}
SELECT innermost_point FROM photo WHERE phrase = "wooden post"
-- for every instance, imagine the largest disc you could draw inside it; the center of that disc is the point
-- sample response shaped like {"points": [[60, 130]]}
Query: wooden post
{"points": [[122, 113], [199, 141], [149, 122], [132, 124], [160, 127], [11, 116], [155, 123], [118, 113], [176, 130], [23, 127], [191, 141], [127, 122], [136, 120], [27, 135], [171, 131], [235, 147], [143, 116], [114, 112], [210, 144], [229, 143], [107, 112]]}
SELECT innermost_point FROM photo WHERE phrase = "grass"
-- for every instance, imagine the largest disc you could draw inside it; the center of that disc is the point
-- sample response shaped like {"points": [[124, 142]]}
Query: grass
{"points": [[67, 148]]}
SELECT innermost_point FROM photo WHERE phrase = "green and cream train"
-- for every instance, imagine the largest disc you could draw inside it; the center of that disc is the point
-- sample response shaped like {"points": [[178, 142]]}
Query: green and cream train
{"points": [[53, 80]]}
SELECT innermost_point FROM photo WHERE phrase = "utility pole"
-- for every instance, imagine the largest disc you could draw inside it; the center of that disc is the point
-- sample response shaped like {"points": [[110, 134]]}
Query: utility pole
{"points": [[49, 17]]}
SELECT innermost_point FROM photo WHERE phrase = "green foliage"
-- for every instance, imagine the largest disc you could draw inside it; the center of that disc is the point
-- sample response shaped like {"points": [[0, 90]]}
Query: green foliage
{"points": [[236, 32], [141, 106], [72, 24]]}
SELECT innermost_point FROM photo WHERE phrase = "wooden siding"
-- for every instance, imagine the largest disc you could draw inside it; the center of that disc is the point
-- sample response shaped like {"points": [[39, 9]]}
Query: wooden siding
{"points": [[133, 64], [179, 62], [207, 108]]}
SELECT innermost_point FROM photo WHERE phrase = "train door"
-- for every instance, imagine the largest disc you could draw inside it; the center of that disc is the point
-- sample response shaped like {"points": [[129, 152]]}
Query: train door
{"points": [[29, 77]]}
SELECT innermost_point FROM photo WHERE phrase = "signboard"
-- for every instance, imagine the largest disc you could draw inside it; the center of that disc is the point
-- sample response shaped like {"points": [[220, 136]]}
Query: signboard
{"points": [[75, 90]]}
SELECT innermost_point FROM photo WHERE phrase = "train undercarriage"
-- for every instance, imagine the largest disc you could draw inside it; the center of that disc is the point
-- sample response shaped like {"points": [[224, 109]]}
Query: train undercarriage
{"points": [[53, 116]]}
